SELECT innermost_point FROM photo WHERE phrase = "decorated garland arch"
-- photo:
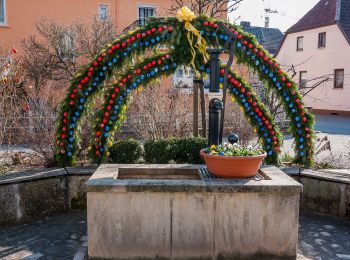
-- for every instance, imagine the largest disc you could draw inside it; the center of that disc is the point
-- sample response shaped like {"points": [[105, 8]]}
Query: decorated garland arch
{"points": [[186, 37]]}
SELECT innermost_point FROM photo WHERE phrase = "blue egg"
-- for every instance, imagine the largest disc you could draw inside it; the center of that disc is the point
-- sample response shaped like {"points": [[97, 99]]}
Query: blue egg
{"points": [[134, 85], [174, 64], [208, 70], [274, 79], [71, 132], [125, 53], [81, 107], [301, 139], [74, 119], [110, 64], [294, 111], [71, 139], [202, 32], [239, 45], [302, 154], [270, 152], [226, 37], [114, 60], [102, 149], [70, 146], [263, 67], [221, 36], [77, 113], [257, 62], [152, 73], [85, 93], [105, 134], [104, 68], [70, 154], [135, 45], [268, 140], [101, 74], [138, 81], [266, 134], [156, 69], [72, 125], [107, 128], [298, 125], [153, 40], [146, 43], [113, 118], [221, 79], [141, 44], [142, 76], [213, 34], [97, 79], [82, 100], [299, 132], [271, 75], [116, 107], [158, 38], [290, 105], [201, 67], [297, 118], [268, 146], [94, 84]]}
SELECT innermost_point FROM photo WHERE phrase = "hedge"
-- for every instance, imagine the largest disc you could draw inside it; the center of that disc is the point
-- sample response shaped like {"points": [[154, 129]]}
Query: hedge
{"points": [[126, 151], [180, 150]]}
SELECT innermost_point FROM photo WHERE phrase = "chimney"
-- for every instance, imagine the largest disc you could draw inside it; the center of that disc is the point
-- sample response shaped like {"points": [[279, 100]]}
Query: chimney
{"points": [[267, 22], [245, 25]]}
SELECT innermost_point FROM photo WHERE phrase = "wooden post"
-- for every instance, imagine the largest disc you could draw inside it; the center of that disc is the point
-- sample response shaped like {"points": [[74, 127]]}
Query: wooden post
{"points": [[195, 108], [203, 109]]}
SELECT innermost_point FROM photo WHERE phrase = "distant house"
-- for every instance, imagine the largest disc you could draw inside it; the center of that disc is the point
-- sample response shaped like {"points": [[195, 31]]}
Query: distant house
{"points": [[317, 51], [270, 38]]}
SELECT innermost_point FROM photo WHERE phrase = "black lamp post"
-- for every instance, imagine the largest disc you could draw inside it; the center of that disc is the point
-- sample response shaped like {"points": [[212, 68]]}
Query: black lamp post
{"points": [[215, 104]]}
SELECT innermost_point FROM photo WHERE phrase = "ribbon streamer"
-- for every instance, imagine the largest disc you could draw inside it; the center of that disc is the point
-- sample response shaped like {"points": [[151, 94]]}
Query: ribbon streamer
{"points": [[187, 16]]}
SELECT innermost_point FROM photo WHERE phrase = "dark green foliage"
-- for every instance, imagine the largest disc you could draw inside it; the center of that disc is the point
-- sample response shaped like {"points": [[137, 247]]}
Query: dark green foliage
{"points": [[180, 150], [126, 151], [159, 151], [186, 150]]}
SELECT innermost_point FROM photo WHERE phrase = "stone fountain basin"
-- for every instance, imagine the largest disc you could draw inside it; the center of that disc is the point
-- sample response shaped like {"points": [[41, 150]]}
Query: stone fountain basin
{"points": [[176, 212]]}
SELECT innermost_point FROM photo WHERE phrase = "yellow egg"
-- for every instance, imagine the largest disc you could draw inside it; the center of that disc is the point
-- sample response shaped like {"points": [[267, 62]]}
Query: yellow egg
{"points": [[110, 143], [139, 89], [124, 107]]}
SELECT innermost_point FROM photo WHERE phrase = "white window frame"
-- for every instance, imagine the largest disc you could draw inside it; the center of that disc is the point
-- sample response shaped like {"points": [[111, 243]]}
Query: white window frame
{"points": [[100, 6], [5, 15], [300, 48], [145, 6]]}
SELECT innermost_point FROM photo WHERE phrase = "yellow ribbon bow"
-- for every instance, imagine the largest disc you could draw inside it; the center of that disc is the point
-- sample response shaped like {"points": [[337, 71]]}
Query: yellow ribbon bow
{"points": [[187, 16]]}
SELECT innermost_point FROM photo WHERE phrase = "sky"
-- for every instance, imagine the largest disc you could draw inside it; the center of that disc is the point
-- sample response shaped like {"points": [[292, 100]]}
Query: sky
{"points": [[290, 11]]}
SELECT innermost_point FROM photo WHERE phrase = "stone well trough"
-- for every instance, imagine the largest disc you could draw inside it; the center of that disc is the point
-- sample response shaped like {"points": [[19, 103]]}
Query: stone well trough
{"points": [[182, 212]]}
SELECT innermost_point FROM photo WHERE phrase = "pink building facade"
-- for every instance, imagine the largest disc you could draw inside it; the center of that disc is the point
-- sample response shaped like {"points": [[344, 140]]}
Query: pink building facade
{"points": [[316, 51]]}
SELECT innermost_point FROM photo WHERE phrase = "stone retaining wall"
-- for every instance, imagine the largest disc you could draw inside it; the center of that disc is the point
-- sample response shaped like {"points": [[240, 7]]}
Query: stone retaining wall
{"points": [[324, 191], [28, 196]]}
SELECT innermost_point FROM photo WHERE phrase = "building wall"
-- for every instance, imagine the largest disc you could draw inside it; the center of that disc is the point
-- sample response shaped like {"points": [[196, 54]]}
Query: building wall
{"points": [[22, 15], [318, 62]]}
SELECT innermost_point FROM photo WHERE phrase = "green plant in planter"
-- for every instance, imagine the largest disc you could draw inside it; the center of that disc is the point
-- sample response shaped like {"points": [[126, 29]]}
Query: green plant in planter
{"points": [[233, 150]]}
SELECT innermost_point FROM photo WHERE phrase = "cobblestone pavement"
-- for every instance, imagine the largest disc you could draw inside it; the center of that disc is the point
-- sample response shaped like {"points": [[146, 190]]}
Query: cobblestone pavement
{"points": [[64, 237], [54, 238]]}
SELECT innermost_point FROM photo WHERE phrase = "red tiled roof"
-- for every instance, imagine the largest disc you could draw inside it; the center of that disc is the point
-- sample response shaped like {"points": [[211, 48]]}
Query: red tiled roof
{"points": [[322, 14]]}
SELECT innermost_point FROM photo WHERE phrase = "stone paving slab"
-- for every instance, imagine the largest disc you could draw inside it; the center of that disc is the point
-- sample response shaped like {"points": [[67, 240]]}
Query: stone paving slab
{"points": [[64, 237], [59, 237]]}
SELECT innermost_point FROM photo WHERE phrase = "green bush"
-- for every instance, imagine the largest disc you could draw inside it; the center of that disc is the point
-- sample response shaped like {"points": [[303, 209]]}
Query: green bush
{"points": [[125, 151], [186, 150], [159, 151], [180, 150]]}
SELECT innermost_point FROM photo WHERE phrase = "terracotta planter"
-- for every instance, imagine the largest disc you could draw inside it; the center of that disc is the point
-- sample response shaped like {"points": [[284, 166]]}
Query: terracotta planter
{"points": [[232, 166]]}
